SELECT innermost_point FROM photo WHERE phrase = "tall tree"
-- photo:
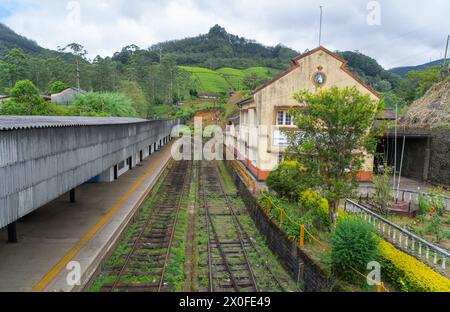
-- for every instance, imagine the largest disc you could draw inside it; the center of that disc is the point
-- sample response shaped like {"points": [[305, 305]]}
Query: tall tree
{"points": [[133, 91], [15, 67], [80, 54], [335, 135]]}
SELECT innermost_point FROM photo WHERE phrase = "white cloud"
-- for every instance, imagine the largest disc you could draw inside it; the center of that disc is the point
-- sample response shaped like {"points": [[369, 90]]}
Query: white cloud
{"points": [[408, 34]]}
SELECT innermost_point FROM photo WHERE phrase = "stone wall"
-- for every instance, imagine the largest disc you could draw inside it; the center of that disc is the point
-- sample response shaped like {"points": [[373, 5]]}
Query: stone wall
{"points": [[427, 154], [439, 170], [301, 268]]}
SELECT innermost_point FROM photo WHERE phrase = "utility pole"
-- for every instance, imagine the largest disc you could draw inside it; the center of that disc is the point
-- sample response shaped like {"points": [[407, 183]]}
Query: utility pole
{"points": [[395, 149], [78, 72], [171, 88], [320, 27], [445, 55], [160, 56]]}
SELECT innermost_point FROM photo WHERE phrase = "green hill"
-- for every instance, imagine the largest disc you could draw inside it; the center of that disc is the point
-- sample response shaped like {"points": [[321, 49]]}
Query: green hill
{"points": [[226, 78], [218, 49], [403, 71], [207, 80], [9, 40]]}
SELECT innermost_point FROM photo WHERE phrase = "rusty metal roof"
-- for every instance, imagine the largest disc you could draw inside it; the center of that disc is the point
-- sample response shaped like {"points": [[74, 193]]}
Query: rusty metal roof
{"points": [[34, 122]]}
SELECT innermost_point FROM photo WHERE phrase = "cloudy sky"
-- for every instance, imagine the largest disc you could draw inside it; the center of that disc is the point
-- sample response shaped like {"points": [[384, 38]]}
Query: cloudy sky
{"points": [[396, 33]]}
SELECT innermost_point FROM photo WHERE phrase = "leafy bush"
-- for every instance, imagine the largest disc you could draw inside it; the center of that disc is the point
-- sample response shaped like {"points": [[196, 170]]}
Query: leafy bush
{"points": [[436, 227], [292, 220], [26, 100], [285, 180], [353, 246], [56, 87], [312, 202], [409, 274], [103, 104], [383, 193], [424, 204], [438, 200], [434, 201]]}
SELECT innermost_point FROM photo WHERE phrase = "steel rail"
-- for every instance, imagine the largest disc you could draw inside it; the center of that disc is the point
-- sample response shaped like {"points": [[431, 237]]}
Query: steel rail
{"points": [[238, 229], [252, 244], [139, 241], [218, 244], [172, 234]]}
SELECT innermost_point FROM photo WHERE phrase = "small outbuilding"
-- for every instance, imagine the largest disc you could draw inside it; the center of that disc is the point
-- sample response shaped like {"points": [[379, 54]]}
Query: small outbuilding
{"points": [[423, 138], [66, 96]]}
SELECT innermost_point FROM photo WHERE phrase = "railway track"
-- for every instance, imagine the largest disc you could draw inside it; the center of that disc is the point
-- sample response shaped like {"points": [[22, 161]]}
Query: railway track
{"points": [[229, 246], [150, 247]]}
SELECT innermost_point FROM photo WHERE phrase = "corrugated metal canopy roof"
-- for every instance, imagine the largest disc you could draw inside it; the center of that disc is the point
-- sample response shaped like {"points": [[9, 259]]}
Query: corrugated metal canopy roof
{"points": [[31, 122]]}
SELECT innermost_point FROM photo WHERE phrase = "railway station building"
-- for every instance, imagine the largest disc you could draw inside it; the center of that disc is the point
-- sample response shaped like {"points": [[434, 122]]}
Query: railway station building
{"points": [[267, 109]]}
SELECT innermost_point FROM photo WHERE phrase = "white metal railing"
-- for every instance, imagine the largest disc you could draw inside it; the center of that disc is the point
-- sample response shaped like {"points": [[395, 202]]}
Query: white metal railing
{"points": [[410, 196], [401, 238]]}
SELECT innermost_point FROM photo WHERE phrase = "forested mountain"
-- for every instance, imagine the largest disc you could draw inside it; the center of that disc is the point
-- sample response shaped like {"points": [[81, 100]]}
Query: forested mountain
{"points": [[370, 71], [396, 90], [218, 49], [9, 40], [157, 73], [177, 70], [403, 71]]}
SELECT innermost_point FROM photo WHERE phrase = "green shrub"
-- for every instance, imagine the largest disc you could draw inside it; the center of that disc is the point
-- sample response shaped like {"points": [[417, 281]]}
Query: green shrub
{"points": [[437, 200], [434, 201], [103, 104], [435, 227], [383, 195], [56, 87], [291, 210], [26, 100], [353, 247], [285, 180], [318, 206], [424, 204]]}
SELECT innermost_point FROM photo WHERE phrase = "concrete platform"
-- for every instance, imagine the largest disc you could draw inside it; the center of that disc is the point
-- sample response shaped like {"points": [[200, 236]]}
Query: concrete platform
{"points": [[60, 232]]}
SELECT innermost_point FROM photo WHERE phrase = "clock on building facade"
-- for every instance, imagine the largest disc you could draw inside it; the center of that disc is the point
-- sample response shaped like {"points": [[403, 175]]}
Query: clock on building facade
{"points": [[319, 79]]}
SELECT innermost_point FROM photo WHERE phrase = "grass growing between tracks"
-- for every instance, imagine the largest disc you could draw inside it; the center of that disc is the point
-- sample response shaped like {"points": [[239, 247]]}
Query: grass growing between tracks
{"points": [[191, 251], [108, 272], [175, 274], [263, 257]]}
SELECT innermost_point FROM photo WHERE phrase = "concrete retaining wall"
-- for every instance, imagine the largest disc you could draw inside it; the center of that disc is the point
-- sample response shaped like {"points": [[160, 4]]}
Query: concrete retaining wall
{"points": [[301, 268]]}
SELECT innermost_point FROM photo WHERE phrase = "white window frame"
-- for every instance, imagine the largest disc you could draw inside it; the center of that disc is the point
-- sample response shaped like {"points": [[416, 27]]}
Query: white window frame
{"points": [[285, 118]]}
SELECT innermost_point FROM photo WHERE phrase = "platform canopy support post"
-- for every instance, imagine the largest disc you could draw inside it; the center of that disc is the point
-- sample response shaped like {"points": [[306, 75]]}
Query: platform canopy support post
{"points": [[72, 196], [12, 233]]}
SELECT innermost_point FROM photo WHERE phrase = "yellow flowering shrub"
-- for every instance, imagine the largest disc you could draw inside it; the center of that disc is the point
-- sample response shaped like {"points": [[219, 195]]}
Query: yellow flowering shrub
{"points": [[409, 274], [318, 206], [344, 215]]}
